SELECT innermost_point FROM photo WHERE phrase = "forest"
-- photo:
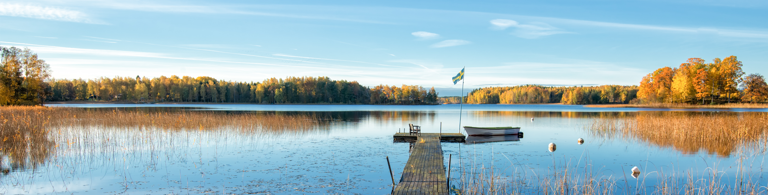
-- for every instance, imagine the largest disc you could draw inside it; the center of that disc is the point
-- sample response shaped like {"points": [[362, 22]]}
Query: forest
{"points": [[25, 80], [292, 90], [537, 94], [698, 82]]}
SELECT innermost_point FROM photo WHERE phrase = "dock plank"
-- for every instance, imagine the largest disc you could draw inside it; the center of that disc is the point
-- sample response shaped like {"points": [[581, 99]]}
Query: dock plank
{"points": [[424, 172]]}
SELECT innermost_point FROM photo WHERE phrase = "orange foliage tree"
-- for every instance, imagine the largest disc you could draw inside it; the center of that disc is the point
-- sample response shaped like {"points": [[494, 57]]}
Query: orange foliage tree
{"points": [[755, 88], [694, 80]]}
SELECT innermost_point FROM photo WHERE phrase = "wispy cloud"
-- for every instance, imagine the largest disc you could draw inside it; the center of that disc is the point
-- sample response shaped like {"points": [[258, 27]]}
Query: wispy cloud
{"points": [[425, 35], [99, 52], [104, 39], [572, 72], [428, 65], [251, 10], [450, 43], [538, 29], [101, 40], [701, 30], [528, 31], [45, 13], [328, 59], [502, 24]]}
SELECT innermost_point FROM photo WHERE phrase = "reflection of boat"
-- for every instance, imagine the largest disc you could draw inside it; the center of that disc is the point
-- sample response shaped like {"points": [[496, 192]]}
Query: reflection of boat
{"points": [[491, 130], [493, 138]]}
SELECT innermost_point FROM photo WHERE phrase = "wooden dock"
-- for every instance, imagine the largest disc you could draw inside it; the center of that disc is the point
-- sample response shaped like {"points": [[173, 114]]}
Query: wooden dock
{"points": [[445, 137], [424, 173]]}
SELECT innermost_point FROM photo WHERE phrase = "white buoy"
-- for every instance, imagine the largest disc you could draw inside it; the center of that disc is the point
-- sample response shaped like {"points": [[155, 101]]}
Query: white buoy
{"points": [[552, 147], [635, 172], [580, 141], [531, 119]]}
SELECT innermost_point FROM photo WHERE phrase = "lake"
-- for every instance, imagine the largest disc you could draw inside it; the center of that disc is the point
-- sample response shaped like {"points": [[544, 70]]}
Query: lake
{"points": [[346, 153]]}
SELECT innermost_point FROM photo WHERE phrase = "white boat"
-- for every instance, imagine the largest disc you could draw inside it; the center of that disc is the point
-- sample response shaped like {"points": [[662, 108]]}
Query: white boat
{"points": [[491, 130]]}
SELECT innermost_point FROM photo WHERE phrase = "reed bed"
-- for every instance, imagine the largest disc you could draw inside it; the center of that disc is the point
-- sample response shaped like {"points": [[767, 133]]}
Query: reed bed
{"points": [[680, 105], [29, 136], [24, 139], [715, 133]]}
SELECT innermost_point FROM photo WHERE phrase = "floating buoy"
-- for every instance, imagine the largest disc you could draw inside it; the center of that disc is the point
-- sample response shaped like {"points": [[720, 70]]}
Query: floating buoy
{"points": [[635, 172], [580, 141], [531, 119], [552, 147]]}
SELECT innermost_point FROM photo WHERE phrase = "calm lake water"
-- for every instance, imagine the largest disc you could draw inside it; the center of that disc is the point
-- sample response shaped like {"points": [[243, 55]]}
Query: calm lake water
{"points": [[347, 155]]}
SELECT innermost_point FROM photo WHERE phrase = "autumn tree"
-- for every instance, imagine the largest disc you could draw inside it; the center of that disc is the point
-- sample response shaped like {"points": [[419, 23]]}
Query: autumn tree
{"points": [[23, 77], [755, 88], [657, 86], [731, 73]]}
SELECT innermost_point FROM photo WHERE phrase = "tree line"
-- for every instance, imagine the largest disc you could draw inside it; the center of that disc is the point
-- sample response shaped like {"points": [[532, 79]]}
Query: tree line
{"points": [[292, 90], [24, 80], [537, 94], [698, 82]]}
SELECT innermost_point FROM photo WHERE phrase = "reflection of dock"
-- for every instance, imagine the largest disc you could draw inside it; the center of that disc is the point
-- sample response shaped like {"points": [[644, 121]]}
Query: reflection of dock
{"points": [[424, 173], [446, 137]]}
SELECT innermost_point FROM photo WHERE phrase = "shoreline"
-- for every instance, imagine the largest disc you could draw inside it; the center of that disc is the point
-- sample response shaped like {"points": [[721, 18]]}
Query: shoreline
{"points": [[233, 103], [658, 105]]}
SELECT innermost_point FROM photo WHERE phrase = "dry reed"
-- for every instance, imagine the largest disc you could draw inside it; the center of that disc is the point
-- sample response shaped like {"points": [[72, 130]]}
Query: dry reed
{"points": [[679, 105], [29, 135], [716, 133]]}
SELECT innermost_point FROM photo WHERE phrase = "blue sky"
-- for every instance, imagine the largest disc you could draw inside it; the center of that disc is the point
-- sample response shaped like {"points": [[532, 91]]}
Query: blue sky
{"points": [[425, 43]]}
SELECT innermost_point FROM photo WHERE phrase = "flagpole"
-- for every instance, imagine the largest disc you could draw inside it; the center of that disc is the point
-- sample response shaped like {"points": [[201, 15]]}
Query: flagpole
{"points": [[461, 107]]}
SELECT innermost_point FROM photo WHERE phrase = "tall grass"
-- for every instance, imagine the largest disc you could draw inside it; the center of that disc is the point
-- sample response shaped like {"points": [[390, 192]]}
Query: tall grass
{"points": [[30, 135], [680, 105], [715, 133], [24, 139]]}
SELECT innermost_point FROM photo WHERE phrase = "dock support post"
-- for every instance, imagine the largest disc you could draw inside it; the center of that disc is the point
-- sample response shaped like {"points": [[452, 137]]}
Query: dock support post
{"points": [[448, 180], [390, 172]]}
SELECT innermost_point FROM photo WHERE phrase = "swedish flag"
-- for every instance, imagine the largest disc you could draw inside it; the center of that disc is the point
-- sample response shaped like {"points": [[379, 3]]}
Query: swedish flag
{"points": [[458, 77]]}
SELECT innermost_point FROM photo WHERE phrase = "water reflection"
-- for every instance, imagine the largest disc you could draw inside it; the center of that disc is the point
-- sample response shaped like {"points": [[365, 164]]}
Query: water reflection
{"points": [[260, 151], [539, 114], [492, 138]]}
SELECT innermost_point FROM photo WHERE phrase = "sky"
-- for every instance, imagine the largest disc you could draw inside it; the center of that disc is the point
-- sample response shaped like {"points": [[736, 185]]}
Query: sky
{"points": [[500, 43]]}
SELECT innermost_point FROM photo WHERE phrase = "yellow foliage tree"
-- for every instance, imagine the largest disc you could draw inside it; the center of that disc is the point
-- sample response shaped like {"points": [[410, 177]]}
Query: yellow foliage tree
{"points": [[682, 87]]}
